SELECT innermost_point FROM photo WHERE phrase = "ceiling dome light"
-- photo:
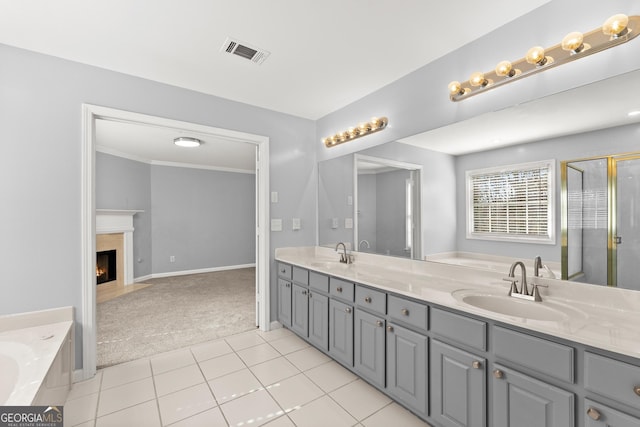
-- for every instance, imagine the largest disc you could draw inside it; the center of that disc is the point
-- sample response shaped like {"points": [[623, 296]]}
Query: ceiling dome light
{"points": [[616, 25], [187, 142]]}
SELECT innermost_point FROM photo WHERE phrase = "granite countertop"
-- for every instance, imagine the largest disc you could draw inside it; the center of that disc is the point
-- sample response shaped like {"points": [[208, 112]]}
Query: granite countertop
{"points": [[596, 316]]}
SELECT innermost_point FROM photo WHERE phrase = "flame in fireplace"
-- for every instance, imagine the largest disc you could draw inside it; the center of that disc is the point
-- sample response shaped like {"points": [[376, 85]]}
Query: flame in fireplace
{"points": [[99, 271]]}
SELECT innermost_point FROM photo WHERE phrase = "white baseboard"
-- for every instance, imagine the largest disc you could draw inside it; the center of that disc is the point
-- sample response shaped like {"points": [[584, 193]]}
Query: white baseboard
{"points": [[275, 325], [198, 271], [77, 376]]}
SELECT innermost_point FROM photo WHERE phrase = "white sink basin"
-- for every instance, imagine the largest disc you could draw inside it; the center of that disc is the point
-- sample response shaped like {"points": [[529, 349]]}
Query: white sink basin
{"points": [[503, 304], [331, 265]]}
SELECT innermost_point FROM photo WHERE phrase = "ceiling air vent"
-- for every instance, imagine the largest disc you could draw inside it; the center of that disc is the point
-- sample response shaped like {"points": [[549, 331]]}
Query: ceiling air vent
{"points": [[244, 50]]}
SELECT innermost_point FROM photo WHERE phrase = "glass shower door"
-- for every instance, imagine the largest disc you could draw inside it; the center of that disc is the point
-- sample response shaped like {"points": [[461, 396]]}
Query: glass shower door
{"points": [[626, 239]]}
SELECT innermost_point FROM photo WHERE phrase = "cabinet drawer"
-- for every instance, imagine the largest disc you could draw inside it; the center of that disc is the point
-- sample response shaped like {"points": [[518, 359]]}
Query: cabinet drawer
{"points": [[284, 270], [409, 312], [319, 282], [301, 275], [613, 379], [341, 289], [598, 415], [371, 299], [532, 353], [461, 329]]}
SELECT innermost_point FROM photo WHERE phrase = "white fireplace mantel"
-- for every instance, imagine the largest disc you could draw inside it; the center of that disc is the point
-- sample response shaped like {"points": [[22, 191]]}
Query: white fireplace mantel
{"points": [[110, 221]]}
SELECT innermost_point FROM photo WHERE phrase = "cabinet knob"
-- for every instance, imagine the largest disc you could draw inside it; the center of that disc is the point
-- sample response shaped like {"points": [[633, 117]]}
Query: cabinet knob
{"points": [[476, 364], [304, 292], [288, 285], [339, 289], [404, 312], [390, 328], [636, 390], [348, 309], [498, 373], [593, 413], [379, 323], [310, 294], [283, 271], [367, 299]]}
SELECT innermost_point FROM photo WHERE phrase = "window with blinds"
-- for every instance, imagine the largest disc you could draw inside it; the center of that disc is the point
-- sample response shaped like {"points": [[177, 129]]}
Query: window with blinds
{"points": [[514, 203]]}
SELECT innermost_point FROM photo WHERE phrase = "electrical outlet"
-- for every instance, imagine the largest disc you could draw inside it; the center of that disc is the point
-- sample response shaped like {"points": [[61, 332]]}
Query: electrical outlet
{"points": [[172, 258]]}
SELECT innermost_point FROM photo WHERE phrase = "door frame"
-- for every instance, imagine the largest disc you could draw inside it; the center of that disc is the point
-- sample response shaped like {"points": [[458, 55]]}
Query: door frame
{"points": [[91, 113]]}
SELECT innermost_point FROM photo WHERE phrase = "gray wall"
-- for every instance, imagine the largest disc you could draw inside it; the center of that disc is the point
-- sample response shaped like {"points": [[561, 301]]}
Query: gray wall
{"points": [[620, 139], [203, 218], [390, 212], [367, 215], [126, 184], [40, 172]]}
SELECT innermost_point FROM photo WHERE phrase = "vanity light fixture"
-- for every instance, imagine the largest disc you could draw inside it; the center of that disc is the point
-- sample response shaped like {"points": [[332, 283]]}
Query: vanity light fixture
{"points": [[363, 129], [187, 142], [616, 30]]}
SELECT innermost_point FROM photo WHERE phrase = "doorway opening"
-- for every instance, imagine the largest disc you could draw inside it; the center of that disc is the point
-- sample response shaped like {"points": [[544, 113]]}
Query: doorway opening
{"points": [[91, 114]]}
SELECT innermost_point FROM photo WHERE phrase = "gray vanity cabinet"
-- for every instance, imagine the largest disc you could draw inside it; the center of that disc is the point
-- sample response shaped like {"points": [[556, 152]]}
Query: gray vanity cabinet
{"points": [[284, 302], [300, 310], [370, 347], [341, 331], [407, 367], [319, 320], [520, 400], [458, 386], [603, 416]]}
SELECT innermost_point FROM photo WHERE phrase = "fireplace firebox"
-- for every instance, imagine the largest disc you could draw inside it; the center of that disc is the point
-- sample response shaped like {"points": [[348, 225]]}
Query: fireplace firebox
{"points": [[105, 266]]}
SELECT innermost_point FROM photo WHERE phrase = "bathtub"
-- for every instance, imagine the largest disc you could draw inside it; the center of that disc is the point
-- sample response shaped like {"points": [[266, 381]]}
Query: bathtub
{"points": [[36, 363]]}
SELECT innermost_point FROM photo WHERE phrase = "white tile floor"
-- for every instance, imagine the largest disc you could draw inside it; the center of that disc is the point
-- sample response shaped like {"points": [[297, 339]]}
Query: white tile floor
{"points": [[245, 380]]}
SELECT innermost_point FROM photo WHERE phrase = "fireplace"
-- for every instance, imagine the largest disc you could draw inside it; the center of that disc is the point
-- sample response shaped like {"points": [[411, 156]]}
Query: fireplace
{"points": [[106, 266]]}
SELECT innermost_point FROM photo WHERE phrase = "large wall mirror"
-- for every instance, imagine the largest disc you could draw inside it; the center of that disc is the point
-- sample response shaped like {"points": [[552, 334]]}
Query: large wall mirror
{"points": [[589, 122]]}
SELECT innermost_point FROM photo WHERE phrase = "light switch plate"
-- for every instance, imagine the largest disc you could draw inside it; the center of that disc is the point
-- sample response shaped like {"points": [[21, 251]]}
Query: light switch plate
{"points": [[295, 224], [348, 223], [274, 197], [334, 223], [276, 224], [350, 200]]}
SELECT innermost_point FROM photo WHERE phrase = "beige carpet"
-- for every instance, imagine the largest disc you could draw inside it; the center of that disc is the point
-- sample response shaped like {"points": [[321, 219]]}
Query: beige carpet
{"points": [[175, 312]]}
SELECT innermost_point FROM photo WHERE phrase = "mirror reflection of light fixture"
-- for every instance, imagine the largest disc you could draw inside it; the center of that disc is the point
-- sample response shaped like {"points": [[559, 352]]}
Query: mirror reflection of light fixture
{"points": [[616, 30], [374, 125], [187, 141]]}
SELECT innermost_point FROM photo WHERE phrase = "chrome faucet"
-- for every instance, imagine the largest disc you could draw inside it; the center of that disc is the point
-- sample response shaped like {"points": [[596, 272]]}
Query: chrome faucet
{"points": [[344, 258], [537, 265], [523, 293], [512, 273]]}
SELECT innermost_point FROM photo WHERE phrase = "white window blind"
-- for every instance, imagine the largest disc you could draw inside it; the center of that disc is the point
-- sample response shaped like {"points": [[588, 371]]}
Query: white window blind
{"points": [[513, 203]]}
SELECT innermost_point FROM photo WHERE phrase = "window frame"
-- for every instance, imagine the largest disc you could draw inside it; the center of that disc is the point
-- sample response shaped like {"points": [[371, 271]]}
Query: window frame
{"points": [[549, 238]]}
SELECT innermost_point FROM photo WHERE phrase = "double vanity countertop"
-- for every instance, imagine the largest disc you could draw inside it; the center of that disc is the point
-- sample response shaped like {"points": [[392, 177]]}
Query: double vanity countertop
{"points": [[597, 316]]}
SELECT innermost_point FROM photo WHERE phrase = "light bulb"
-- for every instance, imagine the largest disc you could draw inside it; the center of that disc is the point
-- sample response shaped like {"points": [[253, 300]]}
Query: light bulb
{"points": [[364, 127], [616, 25], [535, 56], [455, 88], [477, 79], [504, 68], [573, 42]]}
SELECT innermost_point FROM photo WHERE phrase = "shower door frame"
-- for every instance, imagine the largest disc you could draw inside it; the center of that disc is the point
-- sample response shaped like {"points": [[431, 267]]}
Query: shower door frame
{"points": [[612, 211]]}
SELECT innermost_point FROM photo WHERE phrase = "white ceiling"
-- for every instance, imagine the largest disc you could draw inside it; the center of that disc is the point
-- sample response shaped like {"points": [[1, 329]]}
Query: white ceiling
{"points": [[332, 52]]}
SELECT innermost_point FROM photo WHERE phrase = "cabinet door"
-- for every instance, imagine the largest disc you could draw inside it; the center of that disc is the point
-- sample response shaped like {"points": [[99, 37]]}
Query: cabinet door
{"points": [[407, 367], [519, 400], [284, 302], [300, 310], [319, 320], [458, 395], [369, 347], [341, 331], [602, 416]]}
